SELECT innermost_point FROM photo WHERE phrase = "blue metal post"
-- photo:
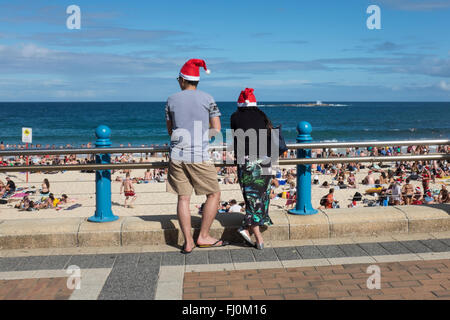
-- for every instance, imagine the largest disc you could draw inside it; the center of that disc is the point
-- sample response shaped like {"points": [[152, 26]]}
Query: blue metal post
{"points": [[103, 212], [303, 206]]}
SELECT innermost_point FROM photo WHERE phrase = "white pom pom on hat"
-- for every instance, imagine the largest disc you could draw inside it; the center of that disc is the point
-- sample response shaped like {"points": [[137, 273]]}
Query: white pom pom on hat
{"points": [[208, 71]]}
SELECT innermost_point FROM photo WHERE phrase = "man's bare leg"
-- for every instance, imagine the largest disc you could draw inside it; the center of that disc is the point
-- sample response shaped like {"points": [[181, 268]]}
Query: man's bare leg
{"points": [[184, 217], [208, 216]]}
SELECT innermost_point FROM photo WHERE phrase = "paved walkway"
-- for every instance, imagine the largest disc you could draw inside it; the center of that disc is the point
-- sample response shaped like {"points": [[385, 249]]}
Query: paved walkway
{"points": [[409, 267]]}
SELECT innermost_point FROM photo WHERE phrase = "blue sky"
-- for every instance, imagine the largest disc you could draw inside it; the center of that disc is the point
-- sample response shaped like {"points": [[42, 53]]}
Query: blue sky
{"points": [[286, 50]]}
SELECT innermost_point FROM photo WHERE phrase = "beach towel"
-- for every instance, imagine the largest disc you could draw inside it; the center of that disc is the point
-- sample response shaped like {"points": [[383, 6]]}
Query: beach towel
{"points": [[77, 205], [19, 195]]}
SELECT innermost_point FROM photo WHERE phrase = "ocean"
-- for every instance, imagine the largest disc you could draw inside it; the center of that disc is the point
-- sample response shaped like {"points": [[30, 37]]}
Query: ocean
{"points": [[143, 123]]}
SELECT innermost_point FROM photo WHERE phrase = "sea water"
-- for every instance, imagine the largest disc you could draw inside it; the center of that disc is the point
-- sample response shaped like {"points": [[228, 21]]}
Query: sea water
{"points": [[143, 123]]}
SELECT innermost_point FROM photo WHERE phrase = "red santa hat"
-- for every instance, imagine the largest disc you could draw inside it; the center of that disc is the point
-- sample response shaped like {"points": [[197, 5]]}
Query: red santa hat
{"points": [[191, 69], [247, 98]]}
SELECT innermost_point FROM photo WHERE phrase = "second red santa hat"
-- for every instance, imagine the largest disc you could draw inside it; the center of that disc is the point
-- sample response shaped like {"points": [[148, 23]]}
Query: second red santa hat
{"points": [[247, 98]]}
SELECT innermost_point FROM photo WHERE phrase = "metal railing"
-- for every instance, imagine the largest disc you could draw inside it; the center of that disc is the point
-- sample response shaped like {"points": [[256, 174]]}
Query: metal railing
{"points": [[303, 204], [163, 164], [292, 146]]}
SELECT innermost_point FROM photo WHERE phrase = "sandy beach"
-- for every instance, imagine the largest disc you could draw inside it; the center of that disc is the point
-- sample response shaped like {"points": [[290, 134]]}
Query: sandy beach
{"points": [[152, 198]]}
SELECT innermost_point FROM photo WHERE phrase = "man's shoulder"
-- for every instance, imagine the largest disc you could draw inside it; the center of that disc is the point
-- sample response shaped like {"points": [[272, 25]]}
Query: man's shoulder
{"points": [[175, 95]]}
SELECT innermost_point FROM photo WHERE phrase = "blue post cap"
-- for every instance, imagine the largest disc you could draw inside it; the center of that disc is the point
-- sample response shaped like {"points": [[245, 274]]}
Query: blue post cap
{"points": [[304, 130], [103, 132], [304, 127]]}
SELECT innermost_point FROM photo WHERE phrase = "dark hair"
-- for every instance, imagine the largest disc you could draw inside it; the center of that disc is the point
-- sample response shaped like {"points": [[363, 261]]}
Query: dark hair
{"points": [[47, 183], [267, 121], [192, 83], [233, 201]]}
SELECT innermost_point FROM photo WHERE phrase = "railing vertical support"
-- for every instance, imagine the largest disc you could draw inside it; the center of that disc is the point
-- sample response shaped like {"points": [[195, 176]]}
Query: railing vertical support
{"points": [[303, 205], [103, 212]]}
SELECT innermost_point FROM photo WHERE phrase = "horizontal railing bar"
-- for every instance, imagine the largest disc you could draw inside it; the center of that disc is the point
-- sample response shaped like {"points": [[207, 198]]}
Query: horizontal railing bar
{"points": [[32, 152], [154, 165], [324, 145], [429, 157], [315, 145]]}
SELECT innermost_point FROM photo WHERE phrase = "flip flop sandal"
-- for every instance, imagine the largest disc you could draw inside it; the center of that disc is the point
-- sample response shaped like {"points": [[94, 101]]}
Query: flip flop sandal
{"points": [[214, 245], [245, 236], [183, 250]]}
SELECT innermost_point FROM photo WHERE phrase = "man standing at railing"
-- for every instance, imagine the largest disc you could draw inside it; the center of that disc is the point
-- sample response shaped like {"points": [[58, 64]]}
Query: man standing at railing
{"points": [[189, 115]]}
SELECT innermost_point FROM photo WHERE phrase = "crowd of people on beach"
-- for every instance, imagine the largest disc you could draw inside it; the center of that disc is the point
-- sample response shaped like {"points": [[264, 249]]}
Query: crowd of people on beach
{"points": [[29, 198], [387, 184]]}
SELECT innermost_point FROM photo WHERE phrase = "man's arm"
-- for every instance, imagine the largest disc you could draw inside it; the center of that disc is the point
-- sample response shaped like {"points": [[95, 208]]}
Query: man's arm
{"points": [[169, 127], [214, 123]]}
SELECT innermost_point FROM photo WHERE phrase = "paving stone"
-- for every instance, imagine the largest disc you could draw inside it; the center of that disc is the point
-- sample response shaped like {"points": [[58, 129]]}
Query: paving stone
{"points": [[331, 251], [267, 254], [309, 252], [82, 261], [103, 261], [30, 263], [150, 260], [197, 257], [352, 250], [415, 246], [126, 259], [395, 247], [123, 282], [219, 256], [173, 259], [242, 255], [446, 241], [145, 284], [10, 264], [55, 262], [436, 245], [287, 253], [373, 249]]}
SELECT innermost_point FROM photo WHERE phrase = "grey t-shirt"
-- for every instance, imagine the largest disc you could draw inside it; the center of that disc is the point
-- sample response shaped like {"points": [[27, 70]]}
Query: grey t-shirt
{"points": [[190, 111]]}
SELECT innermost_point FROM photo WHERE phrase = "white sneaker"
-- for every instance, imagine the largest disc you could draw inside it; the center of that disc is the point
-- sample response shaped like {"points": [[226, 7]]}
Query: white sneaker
{"points": [[244, 235]]}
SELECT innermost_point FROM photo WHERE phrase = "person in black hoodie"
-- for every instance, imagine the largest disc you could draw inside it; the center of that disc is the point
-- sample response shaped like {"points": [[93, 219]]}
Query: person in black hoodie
{"points": [[250, 125]]}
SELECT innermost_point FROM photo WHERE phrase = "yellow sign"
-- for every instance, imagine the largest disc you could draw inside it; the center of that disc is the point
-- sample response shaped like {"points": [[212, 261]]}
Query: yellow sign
{"points": [[27, 135]]}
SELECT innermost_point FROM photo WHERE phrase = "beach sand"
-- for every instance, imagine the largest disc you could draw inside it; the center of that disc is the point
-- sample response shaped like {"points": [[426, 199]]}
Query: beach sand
{"points": [[152, 198]]}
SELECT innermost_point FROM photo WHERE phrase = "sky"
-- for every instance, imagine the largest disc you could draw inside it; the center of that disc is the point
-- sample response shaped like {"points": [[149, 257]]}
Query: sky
{"points": [[286, 50]]}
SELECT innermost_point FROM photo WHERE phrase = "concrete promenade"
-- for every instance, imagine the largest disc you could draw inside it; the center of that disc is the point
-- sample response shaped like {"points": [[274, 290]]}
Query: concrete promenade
{"points": [[412, 266], [324, 256], [66, 232]]}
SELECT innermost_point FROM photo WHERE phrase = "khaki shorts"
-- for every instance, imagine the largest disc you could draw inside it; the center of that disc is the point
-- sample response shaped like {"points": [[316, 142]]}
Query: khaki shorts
{"points": [[183, 177]]}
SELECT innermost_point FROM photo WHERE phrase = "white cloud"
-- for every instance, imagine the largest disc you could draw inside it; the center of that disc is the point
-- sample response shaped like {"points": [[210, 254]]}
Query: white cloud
{"points": [[444, 85]]}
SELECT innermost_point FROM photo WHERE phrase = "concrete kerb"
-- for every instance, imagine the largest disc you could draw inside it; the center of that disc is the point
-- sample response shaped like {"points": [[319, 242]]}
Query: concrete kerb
{"points": [[158, 229], [427, 218], [39, 233]]}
